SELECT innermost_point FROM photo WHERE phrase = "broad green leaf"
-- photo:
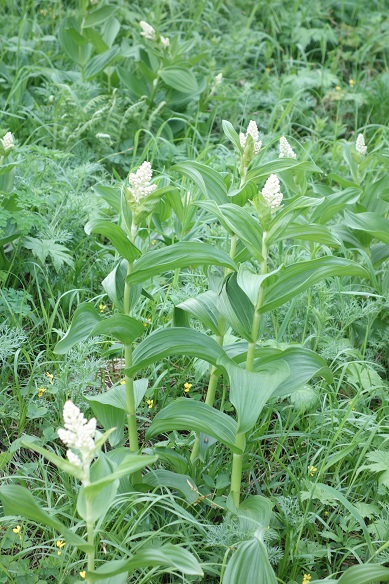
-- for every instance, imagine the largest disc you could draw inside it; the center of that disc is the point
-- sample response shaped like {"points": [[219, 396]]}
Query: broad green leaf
{"points": [[236, 307], [209, 181], [335, 203], [114, 284], [122, 327], [183, 254], [165, 478], [18, 501], [6, 168], [203, 307], [99, 501], [364, 574], [276, 166], [246, 193], [170, 556], [131, 464], [250, 564], [175, 341], [188, 414], [304, 364], [372, 223], [73, 43], [84, 320], [179, 78], [100, 62], [307, 232], [249, 391], [99, 15], [251, 282], [111, 195], [231, 134], [238, 221], [110, 408], [253, 512], [137, 86], [298, 277], [116, 235]]}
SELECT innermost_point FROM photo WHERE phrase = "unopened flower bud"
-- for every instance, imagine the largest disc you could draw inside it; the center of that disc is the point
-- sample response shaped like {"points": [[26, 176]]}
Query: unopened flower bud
{"points": [[286, 150]]}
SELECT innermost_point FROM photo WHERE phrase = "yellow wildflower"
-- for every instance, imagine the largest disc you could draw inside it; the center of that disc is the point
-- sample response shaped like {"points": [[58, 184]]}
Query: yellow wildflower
{"points": [[187, 387], [307, 578], [150, 403], [41, 391], [312, 470], [122, 382], [154, 241], [60, 544], [50, 376], [102, 307], [17, 529], [83, 574], [351, 82]]}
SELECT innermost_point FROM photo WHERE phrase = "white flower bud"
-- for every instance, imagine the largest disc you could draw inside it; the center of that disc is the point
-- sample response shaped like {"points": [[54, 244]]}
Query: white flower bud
{"points": [[360, 144], [147, 31], [165, 42], [252, 130], [271, 192], [140, 182], [8, 141], [286, 150], [78, 434]]}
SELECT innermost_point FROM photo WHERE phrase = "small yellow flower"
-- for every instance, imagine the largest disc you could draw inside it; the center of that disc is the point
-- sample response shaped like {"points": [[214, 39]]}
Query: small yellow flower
{"points": [[351, 82], [338, 88], [17, 529], [145, 324], [150, 403], [83, 574], [102, 307], [50, 377], [41, 391], [326, 513], [60, 544], [307, 578], [187, 387], [122, 382], [154, 242], [267, 69], [312, 470]]}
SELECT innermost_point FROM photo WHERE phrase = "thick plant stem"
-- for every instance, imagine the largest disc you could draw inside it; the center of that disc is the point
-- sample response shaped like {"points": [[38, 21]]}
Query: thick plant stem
{"points": [[237, 464], [240, 440], [90, 534]]}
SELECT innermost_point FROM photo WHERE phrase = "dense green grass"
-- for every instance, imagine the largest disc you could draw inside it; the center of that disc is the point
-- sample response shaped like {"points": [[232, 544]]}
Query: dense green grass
{"points": [[87, 102]]}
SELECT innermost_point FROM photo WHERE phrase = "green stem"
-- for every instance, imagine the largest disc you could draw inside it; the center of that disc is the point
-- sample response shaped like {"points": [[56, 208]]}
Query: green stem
{"points": [[130, 395], [240, 440]]}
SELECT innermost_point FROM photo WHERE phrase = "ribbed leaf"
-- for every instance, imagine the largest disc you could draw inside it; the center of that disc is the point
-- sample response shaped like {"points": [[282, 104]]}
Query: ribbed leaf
{"points": [[179, 78], [236, 307], [372, 223], [258, 174], [99, 15], [117, 237], [208, 180], [175, 341], [170, 556], [120, 326], [100, 62], [84, 320], [179, 255], [250, 564], [249, 391], [188, 414], [300, 276], [203, 307], [229, 131]]}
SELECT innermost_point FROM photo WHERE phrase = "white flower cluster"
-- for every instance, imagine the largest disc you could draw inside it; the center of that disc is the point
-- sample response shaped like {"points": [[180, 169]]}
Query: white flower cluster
{"points": [[252, 130], [165, 41], [140, 182], [219, 80], [360, 144], [147, 31], [8, 141], [78, 434], [286, 150], [271, 192]]}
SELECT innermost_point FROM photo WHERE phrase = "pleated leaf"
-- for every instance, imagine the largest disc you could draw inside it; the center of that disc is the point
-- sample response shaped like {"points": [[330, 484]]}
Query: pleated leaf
{"points": [[188, 414]]}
